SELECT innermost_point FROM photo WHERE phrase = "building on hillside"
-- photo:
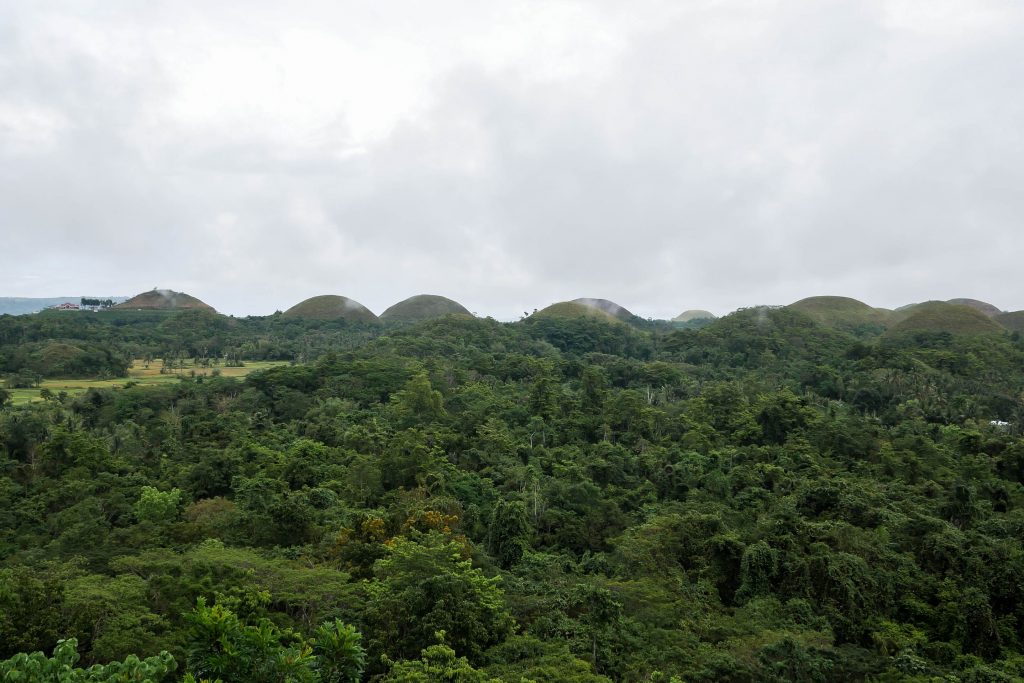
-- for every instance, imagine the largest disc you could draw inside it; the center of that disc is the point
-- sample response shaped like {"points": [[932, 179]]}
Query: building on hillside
{"points": [[66, 306], [90, 304]]}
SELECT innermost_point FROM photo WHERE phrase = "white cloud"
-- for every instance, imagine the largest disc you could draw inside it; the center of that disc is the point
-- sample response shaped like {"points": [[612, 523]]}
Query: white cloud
{"points": [[665, 155]]}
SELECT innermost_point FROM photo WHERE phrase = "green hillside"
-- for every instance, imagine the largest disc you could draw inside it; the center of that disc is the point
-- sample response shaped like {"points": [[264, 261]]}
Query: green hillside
{"points": [[331, 307], [843, 313], [563, 498], [939, 316], [423, 307], [694, 314], [753, 336], [573, 309], [983, 306], [1013, 321]]}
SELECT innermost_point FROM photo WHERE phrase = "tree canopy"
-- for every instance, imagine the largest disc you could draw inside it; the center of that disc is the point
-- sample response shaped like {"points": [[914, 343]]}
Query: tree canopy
{"points": [[764, 498]]}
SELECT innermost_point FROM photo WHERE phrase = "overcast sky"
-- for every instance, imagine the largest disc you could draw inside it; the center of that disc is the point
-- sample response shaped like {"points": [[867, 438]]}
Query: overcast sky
{"points": [[666, 155]]}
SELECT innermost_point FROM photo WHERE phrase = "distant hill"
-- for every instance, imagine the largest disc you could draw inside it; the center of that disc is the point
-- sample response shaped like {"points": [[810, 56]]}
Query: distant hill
{"points": [[606, 306], [988, 309], [903, 312], [26, 305], [939, 316], [842, 312], [23, 305], [694, 314], [983, 306], [423, 307], [572, 309], [162, 300], [751, 337], [331, 307], [1013, 321]]}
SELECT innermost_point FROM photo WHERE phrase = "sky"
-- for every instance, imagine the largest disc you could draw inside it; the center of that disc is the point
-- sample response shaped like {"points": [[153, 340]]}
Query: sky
{"points": [[667, 155]]}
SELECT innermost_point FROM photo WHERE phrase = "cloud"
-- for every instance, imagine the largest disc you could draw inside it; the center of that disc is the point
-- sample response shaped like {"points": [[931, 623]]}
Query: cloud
{"points": [[665, 155]]}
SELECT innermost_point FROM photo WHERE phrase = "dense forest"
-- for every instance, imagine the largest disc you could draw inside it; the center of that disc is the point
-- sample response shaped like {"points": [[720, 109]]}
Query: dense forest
{"points": [[62, 344], [766, 498]]}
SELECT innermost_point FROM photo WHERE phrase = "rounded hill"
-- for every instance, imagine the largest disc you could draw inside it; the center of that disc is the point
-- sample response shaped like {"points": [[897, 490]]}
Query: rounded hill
{"points": [[983, 306], [605, 306], [939, 316], [571, 310], [163, 300], [903, 312], [752, 337], [1013, 321], [331, 307], [423, 307], [841, 311], [694, 314]]}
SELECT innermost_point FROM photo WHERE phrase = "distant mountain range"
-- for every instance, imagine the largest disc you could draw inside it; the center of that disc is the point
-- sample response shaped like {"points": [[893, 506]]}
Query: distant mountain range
{"points": [[955, 316], [13, 305]]}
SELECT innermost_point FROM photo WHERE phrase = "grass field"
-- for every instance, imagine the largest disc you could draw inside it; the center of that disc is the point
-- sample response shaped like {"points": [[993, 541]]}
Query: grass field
{"points": [[138, 373]]}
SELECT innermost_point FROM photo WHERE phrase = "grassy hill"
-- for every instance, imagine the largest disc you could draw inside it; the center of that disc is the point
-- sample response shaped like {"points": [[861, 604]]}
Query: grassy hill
{"points": [[983, 306], [988, 309], [752, 337], [842, 312], [606, 306], [939, 316], [1013, 321], [163, 300], [331, 307], [694, 314], [569, 310], [423, 307]]}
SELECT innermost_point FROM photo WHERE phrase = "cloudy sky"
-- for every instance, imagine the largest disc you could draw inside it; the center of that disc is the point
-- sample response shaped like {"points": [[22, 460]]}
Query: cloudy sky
{"points": [[664, 154]]}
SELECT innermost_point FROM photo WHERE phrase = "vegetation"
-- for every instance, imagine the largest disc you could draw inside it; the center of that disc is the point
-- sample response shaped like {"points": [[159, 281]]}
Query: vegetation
{"points": [[151, 372], [162, 300], [937, 316], [983, 306], [331, 307], [566, 498], [1012, 321], [844, 313], [112, 339], [574, 309], [423, 307]]}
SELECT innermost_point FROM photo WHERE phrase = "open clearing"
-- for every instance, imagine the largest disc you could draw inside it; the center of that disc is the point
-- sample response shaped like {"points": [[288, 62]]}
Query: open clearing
{"points": [[141, 374]]}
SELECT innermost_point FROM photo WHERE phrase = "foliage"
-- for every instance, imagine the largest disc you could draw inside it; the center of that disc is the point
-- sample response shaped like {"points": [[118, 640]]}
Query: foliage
{"points": [[780, 494], [437, 663], [38, 668], [156, 506], [424, 585]]}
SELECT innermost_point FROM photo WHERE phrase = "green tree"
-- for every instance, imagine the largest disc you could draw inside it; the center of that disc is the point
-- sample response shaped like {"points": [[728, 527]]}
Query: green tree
{"points": [[758, 567], [425, 585], [157, 506], [220, 646], [31, 602], [418, 401], [339, 653], [509, 533], [437, 663], [600, 614], [38, 668]]}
